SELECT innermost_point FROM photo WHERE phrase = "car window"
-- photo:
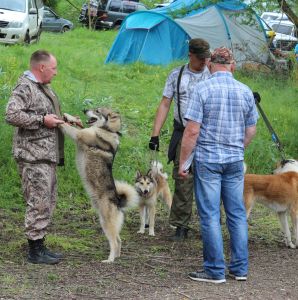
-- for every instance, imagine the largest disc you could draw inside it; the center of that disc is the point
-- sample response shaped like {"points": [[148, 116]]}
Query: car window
{"points": [[39, 3], [280, 28], [16, 5], [129, 7], [48, 14], [115, 6], [30, 4]]}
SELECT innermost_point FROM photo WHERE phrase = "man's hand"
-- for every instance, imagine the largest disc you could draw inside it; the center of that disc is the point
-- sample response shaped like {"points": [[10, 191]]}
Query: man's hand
{"points": [[52, 121], [183, 173], [154, 143]]}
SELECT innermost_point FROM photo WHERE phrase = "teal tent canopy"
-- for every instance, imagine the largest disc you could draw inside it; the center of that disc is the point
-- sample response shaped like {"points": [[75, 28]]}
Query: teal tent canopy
{"points": [[149, 37]]}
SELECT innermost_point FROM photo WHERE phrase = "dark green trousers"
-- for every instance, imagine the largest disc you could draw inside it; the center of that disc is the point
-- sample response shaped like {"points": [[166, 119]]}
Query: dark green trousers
{"points": [[181, 209]]}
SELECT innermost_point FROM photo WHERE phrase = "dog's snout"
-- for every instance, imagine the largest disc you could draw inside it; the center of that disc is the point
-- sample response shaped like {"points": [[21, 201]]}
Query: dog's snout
{"points": [[146, 192]]}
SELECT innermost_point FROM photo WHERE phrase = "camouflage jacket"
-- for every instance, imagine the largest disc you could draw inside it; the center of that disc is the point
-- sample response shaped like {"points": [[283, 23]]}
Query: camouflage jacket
{"points": [[34, 142]]}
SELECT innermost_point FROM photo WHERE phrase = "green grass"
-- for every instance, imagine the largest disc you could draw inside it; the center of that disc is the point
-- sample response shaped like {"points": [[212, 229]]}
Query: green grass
{"points": [[135, 91]]}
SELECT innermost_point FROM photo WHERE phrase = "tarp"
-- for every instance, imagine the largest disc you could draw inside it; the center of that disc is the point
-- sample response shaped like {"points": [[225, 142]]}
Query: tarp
{"points": [[149, 37], [154, 37], [229, 28]]}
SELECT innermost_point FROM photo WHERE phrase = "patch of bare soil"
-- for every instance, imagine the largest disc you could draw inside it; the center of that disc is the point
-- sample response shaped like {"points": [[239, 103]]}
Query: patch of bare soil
{"points": [[149, 268]]}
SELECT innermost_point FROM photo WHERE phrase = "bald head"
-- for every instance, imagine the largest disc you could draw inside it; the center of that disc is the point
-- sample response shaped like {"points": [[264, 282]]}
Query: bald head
{"points": [[43, 65]]}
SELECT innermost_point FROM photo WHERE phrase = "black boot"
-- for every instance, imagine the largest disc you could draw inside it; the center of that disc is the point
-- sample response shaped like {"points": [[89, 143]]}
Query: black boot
{"points": [[180, 234], [50, 253], [37, 254]]}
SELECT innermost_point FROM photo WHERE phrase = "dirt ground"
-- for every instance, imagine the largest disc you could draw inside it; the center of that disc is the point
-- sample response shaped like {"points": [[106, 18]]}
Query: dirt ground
{"points": [[149, 268]]}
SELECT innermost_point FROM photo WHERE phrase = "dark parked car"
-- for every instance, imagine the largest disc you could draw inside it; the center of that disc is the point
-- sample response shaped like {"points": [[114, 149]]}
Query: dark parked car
{"points": [[118, 10], [110, 15], [52, 22], [97, 14]]}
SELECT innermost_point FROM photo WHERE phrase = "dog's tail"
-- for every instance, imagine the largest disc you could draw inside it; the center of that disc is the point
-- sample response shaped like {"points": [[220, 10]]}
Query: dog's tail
{"points": [[157, 169], [127, 193], [244, 167]]}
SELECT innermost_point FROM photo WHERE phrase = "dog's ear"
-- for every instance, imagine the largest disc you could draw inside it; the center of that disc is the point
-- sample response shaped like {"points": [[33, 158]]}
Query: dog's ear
{"points": [[138, 174], [114, 121], [150, 174], [114, 115]]}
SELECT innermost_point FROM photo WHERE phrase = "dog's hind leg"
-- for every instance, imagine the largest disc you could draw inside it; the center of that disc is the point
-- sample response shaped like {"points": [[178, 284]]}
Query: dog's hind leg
{"points": [[112, 230], [118, 253], [167, 196], [294, 218], [248, 202], [142, 218], [283, 218]]}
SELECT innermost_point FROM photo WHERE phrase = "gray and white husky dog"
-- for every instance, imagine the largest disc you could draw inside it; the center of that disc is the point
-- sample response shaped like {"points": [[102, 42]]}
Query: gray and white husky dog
{"points": [[96, 149]]}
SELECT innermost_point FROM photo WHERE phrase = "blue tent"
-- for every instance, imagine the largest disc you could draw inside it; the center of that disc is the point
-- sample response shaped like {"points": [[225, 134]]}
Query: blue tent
{"points": [[154, 37], [195, 6], [149, 37]]}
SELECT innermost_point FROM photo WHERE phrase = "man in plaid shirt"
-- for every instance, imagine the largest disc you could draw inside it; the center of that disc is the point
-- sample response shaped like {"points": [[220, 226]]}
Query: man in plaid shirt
{"points": [[222, 119]]}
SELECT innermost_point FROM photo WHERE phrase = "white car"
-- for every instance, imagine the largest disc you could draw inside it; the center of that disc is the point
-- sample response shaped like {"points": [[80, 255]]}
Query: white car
{"points": [[165, 4], [285, 38], [20, 20], [271, 16]]}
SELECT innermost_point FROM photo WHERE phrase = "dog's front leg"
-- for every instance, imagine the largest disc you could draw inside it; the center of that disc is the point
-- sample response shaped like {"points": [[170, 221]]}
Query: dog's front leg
{"points": [[285, 228], [152, 211], [142, 218], [69, 131]]}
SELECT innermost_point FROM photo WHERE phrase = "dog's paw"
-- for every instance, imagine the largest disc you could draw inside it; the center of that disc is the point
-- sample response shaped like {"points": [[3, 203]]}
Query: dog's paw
{"points": [[107, 261], [151, 233], [142, 231], [73, 120], [291, 245]]}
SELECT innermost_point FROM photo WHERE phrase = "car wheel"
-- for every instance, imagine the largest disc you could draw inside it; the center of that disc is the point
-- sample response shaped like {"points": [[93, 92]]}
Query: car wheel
{"points": [[65, 28], [27, 38], [116, 26]]}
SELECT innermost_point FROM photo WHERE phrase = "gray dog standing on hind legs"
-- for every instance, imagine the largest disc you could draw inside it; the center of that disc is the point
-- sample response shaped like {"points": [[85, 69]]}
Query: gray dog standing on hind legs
{"points": [[96, 150]]}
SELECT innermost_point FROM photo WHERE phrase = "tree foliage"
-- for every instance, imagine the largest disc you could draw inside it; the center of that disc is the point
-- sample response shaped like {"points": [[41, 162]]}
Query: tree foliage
{"points": [[289, 7], [50, 3]]}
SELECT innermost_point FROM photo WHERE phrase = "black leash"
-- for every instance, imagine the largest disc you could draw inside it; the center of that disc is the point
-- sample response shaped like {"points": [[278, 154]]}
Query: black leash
{"points": [[274, 136]]}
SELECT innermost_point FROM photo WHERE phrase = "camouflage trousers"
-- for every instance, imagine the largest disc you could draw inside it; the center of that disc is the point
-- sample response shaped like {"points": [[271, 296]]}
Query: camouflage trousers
{"points": [[39, 183], [181, 209]]}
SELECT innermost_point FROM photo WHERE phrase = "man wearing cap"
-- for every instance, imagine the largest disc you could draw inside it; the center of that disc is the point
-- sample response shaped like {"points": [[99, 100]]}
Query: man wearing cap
{"points": [[221, 121], [178, 85]]}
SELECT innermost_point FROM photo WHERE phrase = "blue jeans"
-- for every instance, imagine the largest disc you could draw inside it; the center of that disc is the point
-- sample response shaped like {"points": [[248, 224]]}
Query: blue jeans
{"points": [[213, 183]]}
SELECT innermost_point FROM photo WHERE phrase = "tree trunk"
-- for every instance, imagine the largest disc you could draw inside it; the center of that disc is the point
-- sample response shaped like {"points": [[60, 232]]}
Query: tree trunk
{"points": [[89, 16], [288, 11]]}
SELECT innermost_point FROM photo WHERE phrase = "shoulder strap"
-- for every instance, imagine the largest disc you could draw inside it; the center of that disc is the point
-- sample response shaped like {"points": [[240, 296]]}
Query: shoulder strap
{"points": [[178, 93], [53, 98]]}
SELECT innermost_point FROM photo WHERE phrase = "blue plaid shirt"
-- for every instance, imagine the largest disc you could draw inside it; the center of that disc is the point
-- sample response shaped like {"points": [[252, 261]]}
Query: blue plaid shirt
{"points": [[224, 107]]}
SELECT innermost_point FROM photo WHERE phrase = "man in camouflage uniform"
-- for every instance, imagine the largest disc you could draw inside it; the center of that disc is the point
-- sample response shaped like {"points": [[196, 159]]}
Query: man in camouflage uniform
{"points": [[195, 71], [34, 110]]}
